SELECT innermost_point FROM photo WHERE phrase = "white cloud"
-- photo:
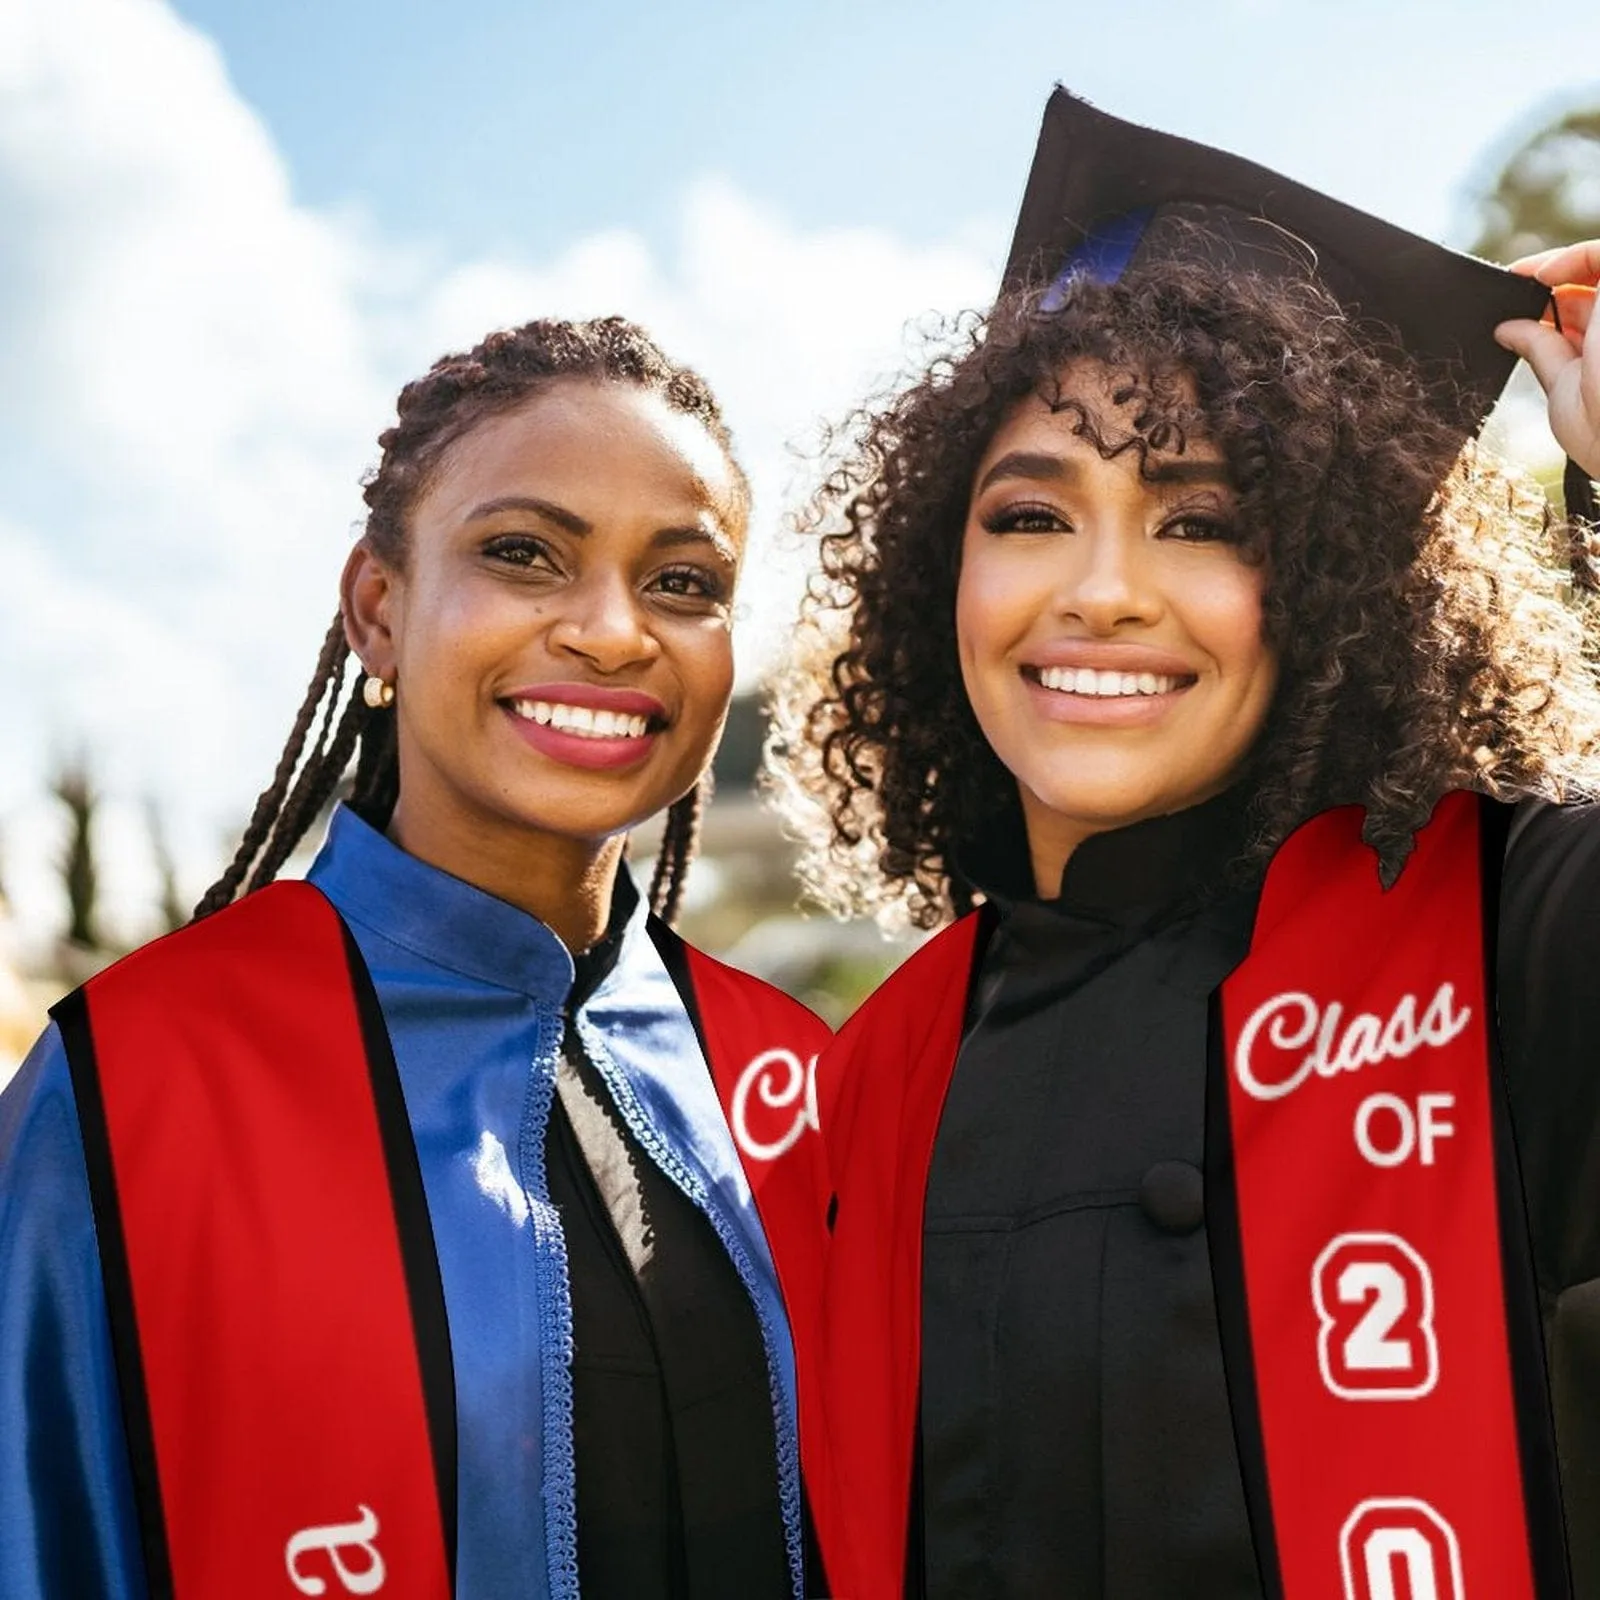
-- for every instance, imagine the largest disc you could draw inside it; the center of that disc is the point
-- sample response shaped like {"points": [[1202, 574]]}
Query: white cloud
{"points": [[194, 367], [789, 328]]}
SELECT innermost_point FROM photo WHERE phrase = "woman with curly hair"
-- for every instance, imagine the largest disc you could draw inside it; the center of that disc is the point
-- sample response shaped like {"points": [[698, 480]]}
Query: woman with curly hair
{"points": [[1187, 1239], [384, 1233]]}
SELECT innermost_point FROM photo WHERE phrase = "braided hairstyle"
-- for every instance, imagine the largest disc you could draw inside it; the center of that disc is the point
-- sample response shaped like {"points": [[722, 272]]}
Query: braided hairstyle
{"points": [[457, 393]]}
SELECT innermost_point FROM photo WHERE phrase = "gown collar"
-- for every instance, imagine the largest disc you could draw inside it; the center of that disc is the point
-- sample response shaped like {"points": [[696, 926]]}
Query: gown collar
{"points": [[451, 924], [1124, 874]]}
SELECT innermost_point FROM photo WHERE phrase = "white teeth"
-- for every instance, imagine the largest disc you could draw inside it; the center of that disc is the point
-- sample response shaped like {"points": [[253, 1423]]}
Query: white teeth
{"points": [[1116, 685], [582, 720]]}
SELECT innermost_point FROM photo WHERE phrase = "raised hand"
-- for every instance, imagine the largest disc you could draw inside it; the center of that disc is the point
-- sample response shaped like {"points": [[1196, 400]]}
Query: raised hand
{"points": [[1566, 361]]}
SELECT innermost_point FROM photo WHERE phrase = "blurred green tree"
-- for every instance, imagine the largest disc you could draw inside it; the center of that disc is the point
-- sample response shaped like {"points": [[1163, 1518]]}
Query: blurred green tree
{"points": [[80, 877], [1547, 191]]}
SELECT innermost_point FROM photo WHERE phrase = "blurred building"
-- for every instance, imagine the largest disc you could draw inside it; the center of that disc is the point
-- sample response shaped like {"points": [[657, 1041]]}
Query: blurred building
{"points": [[742, 903]]}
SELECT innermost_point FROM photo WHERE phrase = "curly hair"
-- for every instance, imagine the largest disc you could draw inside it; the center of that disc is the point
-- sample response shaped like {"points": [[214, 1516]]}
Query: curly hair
{"points": [[453, 397], [1429, 616]]}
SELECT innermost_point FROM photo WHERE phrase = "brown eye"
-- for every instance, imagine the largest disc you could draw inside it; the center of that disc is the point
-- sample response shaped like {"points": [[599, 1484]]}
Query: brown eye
{"points": [[518, 550], [690, 583], [1201, 530], [1026, 519]]}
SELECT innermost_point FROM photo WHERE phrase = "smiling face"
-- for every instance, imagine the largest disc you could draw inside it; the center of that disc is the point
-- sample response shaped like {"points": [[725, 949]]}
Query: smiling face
{"points": [[1108, 626], [559, 636]]}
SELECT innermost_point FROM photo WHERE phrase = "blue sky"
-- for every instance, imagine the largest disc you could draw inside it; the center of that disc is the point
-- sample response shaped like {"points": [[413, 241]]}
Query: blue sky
{"points": [[511, 125], [233, 228]]}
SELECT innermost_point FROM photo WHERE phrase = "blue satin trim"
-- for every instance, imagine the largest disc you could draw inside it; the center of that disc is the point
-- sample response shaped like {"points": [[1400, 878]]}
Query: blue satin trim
{"points": [[472, 991], [1102, 257]]}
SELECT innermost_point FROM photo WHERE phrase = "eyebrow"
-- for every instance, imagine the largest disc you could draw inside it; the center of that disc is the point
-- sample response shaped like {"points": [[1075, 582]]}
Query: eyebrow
{"points": [[662, 539], [1042, 467], [1186, 472], [676, 538], [570, 520]]}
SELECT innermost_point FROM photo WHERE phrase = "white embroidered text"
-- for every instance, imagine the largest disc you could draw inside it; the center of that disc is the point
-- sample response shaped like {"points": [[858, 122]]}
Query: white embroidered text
{"points": [[1292, 1023], [780, 1081], [359, 1536]]}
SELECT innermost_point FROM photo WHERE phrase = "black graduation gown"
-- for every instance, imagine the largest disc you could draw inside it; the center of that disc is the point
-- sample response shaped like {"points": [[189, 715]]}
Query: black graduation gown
{"points": [[1076, 1438], [675, 1458]]}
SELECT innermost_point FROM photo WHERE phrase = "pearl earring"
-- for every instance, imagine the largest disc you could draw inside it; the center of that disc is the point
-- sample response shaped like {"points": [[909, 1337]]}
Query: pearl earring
{"points": [[377, 693]]}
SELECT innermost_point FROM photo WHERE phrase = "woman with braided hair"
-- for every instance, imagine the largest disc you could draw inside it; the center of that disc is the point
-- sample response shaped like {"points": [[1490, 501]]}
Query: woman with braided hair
{"points": [[1214, 1193], [384, 1232]]}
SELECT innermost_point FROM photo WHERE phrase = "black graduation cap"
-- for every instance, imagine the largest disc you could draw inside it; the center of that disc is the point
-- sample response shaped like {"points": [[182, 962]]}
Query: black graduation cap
{"points": [[1103, 195]]}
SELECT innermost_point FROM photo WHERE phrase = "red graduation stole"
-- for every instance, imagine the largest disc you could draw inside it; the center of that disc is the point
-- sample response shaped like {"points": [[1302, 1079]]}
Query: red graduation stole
{"points": [[1374, 1281], [881, 1088], [276, 1311], [277, 1316], [1381, 1330]]}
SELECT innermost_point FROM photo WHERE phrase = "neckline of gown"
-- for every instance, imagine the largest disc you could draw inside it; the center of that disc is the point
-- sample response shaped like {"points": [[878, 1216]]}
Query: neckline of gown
{"points": [[1123, 877], [461, 928]]}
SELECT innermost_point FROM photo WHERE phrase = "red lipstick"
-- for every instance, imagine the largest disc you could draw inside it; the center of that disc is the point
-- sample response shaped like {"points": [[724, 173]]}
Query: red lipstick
{"points": [[586, 724]]}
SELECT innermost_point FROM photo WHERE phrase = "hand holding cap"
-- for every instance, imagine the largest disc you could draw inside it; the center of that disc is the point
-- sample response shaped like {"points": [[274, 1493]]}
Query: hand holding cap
{"points": [[1565, 359]]}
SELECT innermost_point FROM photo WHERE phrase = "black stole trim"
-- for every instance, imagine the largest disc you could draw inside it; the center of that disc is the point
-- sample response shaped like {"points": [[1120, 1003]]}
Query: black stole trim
{"points": [[418, 1255], [72, 1018], [674, 955]]}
